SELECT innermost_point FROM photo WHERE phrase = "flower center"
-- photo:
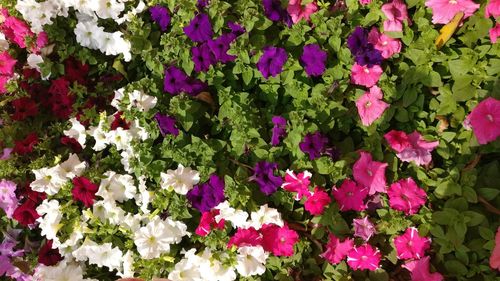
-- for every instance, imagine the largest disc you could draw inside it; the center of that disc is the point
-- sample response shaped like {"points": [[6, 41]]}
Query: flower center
{"points": [[368, 104], [366, 70], [489, 117], [369, 172], [364, 258], [385, 43], [350, 193], [453, 2], [282, 240], [410, 243]]}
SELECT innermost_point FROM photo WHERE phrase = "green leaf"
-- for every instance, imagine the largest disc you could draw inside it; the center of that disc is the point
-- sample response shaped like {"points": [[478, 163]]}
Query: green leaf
{"points": [[447, 188]]}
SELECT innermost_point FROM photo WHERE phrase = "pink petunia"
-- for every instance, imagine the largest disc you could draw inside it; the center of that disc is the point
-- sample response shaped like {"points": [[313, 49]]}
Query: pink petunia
{"points": [[7, 64], [495, 253], [3, 83], [316, 203], [207, 222], [387, 46], [245, 237], [364, 257], [495, 33], [411, 245], [492, 9], [411, 147], [336, 251], [8, 199], [297, 183], [365, 76], [279, 240], [485, 120], [398, 140], [350, 196], [420, 270], [369, 173], [363, 228], [15, 30], [297, 12], [396, 14], [371, 106], [406, 196], [443, 11]]}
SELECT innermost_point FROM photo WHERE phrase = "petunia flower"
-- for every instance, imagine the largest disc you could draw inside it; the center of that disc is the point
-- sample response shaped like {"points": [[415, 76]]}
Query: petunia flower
{"points": [[202, 57], [207, 222], [494, 33], [47, 255], [420, 270], [495, 253], [84, 191], [336, 251], [369, 173], [364, 257], [206, 196], [387, 46], [8, 199], [365, 76], [316, 203], [279, 240], [271, 62], [220, 46], [26, 145], [485, 120], [276, 13], [176, 81], [161, 16], [265, 178], [406, 196], [297, 183], [363, 228], [7, 64], [363, 51], [26, 213], [371, 106], [245, 237], [411, 245], [396, 14], [350, 196], [313, 59], [279, 130], [166, 123], [181, 180], [296, 11], [314, 145], [398, 140], [443, 11], [492, 9], [199, 28]]}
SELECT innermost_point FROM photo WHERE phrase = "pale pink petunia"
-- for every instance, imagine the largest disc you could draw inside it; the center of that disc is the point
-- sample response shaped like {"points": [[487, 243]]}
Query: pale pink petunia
{"points": [[364, 257], [495, 33], [297, 12], [371, 106], [7, 63], [297, 183], [485, 120], [245, 237], [411, 245], [495, 253], [316, 203], [336, 251], [396, 14], [363, 228], [350, 196], [387, 46], [411, 147], [6, 153], [364, 75], [420, 270], [443, 11], [406, 196], [369, 173], [492, 9]]}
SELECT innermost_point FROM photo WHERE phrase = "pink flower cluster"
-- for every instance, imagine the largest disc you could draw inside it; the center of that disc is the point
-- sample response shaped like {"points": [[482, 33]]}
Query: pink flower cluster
{"points": [[316, 201], [358, 257], [411, 147], [297, 12]]}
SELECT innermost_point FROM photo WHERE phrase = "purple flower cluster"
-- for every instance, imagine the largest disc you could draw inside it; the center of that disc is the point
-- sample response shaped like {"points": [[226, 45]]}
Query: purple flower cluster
{"points": [[272, 61], [314, 145], [265, 178], [176, 81], [364, 52], [161, 16], [7, 268], [279, 130], [276, 13], [313, 60], [206, 196], [8, 199], [166, 124]]}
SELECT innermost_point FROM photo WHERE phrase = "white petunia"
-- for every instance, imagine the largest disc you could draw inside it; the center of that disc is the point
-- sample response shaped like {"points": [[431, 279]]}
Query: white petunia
{"points": [[117, 187], [187, 269], [142, 101], [108, 210], [265, 215], [251, 261], [65, 270], [213, 269], [50, 219], [127, 266], [72, 167], [48, 180], [138, 132], [99, 135], [144, 196], [156, 237], [180, 180], [109, 9], [120, 138], [238, 218], [88, 34], [77, 131]]}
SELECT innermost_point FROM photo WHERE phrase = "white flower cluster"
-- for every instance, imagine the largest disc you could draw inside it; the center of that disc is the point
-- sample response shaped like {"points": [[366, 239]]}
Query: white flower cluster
{"points": [[100, 255], [64, 270], [136, 98], [50, 180], [181, 180], [238, 218]]}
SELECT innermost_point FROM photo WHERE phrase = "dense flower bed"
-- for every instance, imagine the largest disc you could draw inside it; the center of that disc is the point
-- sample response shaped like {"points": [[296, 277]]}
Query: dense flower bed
{"points": [[250, 140]]}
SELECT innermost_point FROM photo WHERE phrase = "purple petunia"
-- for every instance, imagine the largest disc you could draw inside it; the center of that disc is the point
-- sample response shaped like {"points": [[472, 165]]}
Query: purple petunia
{"points": [[199, 29], [208, 195], [166, 124], [221, 45], [265, 178], [202, 4], [276, 13], [176, 82], [357, 40], [272, 61], [313, 60], [161, 16], [236, 29], [202, 57], [279, 130], [314, 145], [364, 52]]}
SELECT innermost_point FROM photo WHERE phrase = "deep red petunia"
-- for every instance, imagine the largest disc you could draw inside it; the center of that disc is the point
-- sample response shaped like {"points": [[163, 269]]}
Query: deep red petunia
{"points": [[49, 256], [24, 107], [84, 191], [25, 146], [72, 143], [26, 213]]}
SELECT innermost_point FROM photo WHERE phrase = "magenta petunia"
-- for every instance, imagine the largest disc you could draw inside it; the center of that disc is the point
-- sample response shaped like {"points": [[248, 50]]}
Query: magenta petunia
{"points": [[371, 106], [411, 147], [350, 196], [387, 46], [485, 120], [369, 173], [7, 63], [420, 270], [279, 240], [363, 228], [443, 11], [364, 257], [411, 245], [492, 9], [316, 203], [245, 237], [398, 140], [297, 12], [396, 14], [365, 76], [494, 33], [208, 222], [84, 191], [406, 196], [336, 251], [297, 183]]}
